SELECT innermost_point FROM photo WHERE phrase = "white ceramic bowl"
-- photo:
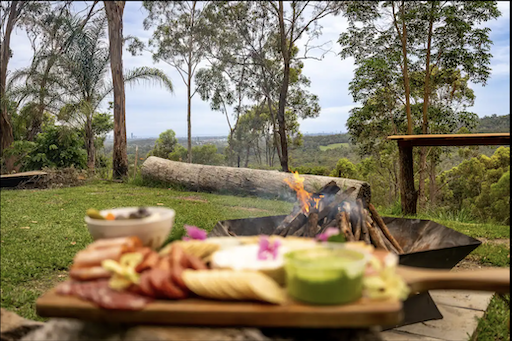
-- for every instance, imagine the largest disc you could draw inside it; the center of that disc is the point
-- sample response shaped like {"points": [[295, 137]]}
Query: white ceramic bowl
{"points": [[153, 230]]}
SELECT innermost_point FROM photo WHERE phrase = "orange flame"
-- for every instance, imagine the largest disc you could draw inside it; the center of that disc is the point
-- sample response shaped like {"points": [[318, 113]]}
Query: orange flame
{"points": [[305, 198]]}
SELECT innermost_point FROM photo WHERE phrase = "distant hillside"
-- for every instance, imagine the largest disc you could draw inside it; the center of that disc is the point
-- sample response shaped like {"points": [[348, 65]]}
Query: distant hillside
{"points": [[494, 124]]}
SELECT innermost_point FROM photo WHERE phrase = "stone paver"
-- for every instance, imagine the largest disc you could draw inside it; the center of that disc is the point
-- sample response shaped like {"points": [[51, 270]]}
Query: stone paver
{"points": [[460, 309]]}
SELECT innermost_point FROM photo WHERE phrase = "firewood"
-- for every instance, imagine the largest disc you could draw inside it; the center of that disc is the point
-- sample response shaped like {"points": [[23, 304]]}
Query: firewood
{"points": [[365, 234], [355, 221], [387, 243], [341, 219], [338, 199], [311, 229], [284, 225], [324, 227], [375, 237], [384, 228]]}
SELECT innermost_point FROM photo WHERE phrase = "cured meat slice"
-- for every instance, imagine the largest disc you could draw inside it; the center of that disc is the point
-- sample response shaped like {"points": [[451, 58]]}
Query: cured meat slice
{"points": [[117, 300], [149, 262], [100, 294], [178, 263], [145, 284], [131, 243], [89, 273], [163, 286], [94, 257], [195, 263]]}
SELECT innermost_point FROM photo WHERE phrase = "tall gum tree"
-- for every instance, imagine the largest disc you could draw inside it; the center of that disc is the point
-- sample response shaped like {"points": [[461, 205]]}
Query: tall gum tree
{"points": [[294, 22], [419, 35], [12, 13], [179, 39], [114, 10]]}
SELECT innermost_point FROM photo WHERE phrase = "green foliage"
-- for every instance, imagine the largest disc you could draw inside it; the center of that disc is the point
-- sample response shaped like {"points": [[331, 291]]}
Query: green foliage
{"points": [[57, 147], [345, 169], [205, 155], [480, 184], [165, 144], [494, 124], [318, 170]]}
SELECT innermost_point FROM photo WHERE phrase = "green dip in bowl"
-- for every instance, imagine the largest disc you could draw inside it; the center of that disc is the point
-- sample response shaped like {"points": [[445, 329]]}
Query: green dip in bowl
{"points": [[325, 275]]}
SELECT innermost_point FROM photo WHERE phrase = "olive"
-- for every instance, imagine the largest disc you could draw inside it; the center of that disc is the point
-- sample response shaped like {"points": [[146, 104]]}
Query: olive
{"points": [[94, 214]]}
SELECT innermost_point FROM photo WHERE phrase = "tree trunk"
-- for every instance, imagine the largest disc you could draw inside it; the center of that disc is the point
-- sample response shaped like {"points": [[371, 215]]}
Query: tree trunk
{"points": [[114, 10], [406, 74], [89, 144], [241, 180], [408, 194], [189, 112], [247, 156], [433, 184], [285, 51], [5, 123], [426, 94]]}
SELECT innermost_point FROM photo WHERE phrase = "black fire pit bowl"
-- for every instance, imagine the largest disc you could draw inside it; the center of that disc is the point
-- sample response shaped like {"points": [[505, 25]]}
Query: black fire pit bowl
{"points": [[426, 244]]}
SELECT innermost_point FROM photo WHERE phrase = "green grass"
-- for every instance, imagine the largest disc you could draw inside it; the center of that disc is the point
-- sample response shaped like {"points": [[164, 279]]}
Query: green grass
{"points": [[33, 258], [493, 326], [333, 146], [491, 255]]}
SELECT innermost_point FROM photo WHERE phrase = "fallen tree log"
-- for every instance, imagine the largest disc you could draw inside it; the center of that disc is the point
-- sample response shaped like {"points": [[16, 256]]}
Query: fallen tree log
{"points": [[241, 180]]}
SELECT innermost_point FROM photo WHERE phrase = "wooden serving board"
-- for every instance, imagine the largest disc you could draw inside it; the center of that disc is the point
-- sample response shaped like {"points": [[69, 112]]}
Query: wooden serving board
{"points": [[201, 312]]}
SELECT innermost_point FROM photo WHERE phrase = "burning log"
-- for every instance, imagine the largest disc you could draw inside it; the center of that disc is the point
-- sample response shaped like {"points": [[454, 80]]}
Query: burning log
{"points": [[343, 225], [333, 206], [384, 228], [312, 224], [374, 235], [285, 225], [365, 234]]}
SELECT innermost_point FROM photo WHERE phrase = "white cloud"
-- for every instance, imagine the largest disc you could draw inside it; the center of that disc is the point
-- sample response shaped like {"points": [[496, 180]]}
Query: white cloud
{"points": [[150, 109]]}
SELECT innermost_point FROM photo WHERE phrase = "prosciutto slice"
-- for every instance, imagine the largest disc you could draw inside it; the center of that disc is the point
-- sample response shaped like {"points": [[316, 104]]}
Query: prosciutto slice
{"points": [[99, 293]]}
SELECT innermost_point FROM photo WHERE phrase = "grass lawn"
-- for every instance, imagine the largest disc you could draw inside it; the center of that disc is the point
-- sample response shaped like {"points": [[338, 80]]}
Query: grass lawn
{"points": [[333, 146], [42, 230]]}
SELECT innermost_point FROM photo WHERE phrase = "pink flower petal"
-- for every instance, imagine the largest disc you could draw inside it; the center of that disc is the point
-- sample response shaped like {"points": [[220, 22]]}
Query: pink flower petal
{"points": [[266, 248], [331, 231], [195, 232]]}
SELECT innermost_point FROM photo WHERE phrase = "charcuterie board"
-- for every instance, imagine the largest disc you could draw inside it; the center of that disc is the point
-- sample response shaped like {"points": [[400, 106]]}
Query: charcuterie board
{"points": [[362, 313], [204, 312]]}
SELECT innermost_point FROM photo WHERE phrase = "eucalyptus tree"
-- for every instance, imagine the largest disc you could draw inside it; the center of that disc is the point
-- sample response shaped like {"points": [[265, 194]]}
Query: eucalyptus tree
{"points": [[114, 11], [37, 86], [246, 68], [179, 39], [13, 13], [86, 64], [412, 36], [293, 24]]}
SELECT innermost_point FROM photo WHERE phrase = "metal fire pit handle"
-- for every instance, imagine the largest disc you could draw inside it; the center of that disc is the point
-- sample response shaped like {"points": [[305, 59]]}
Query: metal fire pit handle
{"points": [[421, 280]]}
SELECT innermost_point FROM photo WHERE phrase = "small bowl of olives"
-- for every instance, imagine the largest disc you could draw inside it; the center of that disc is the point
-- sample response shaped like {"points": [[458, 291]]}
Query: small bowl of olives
{"points": [[151, 224]]}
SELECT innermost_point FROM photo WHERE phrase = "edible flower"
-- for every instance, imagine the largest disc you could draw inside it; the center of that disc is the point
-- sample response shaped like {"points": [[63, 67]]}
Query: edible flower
{"points": [[331, 234], [194, 232], [267, 247]]}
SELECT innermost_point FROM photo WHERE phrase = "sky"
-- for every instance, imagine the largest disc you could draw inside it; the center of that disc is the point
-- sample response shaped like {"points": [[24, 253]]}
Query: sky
{"points": [[150, 109]]}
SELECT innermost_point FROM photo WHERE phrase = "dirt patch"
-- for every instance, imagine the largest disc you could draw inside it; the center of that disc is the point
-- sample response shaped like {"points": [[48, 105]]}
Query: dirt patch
{"points": [[250, 209], [192, 198], [469, 264], [502, 241]]}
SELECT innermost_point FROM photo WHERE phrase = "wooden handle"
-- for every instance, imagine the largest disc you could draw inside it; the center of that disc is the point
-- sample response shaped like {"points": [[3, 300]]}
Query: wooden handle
{"points": [[421, 280]]}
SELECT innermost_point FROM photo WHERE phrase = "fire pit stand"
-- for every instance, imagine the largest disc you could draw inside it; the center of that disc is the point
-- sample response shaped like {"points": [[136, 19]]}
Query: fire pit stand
{"points": [[426, 244]]}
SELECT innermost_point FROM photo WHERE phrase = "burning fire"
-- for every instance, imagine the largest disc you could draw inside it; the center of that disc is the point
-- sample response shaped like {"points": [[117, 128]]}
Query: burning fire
{"points": [[305, 198]]}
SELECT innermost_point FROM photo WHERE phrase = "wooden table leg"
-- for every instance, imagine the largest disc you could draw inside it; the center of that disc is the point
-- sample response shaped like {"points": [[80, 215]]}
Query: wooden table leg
{"points": [[408, 195]]}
